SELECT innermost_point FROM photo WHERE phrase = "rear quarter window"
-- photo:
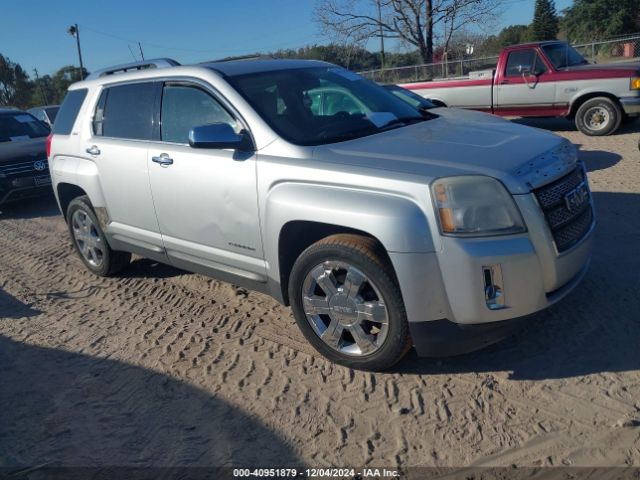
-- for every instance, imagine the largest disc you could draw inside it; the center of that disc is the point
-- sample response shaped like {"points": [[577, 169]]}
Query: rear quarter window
{"points": [[69, 111]]}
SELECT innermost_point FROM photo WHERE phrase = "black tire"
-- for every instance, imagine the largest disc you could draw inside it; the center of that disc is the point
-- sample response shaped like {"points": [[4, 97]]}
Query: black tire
{"points": [[111, 261], [366, 255], [602, 107]]}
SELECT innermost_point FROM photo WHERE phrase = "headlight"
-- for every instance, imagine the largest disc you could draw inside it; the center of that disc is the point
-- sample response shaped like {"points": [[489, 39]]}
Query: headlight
{"points": [[635, 83], [475, 206]]}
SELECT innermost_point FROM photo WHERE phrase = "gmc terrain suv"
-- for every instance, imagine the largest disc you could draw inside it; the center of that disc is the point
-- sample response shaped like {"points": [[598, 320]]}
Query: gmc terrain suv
{"points": [[382, 225]]}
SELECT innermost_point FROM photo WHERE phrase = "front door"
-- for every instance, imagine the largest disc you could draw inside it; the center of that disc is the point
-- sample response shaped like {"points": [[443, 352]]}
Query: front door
{"points": [[526, 88], [205, 199]]}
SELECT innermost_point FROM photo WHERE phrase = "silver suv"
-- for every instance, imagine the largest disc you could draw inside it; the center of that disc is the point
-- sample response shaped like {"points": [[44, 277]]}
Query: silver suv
{"points": [[383, 226]]}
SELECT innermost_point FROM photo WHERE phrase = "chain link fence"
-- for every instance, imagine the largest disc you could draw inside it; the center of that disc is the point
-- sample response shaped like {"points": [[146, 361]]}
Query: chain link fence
{"points": [[614, 50], [621, 49]]}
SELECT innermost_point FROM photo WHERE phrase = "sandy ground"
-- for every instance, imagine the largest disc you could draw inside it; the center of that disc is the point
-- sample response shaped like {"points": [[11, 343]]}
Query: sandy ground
{"points": [[161, 367]]}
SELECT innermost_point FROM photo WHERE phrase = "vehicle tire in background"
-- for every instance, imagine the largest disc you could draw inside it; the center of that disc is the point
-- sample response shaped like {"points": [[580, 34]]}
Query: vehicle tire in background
{"points": [[90, 242], [346, 300], [598, 117]]}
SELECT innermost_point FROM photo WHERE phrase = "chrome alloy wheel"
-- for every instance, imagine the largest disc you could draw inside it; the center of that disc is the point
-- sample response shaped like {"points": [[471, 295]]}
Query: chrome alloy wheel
{"points": [[597, 118], [87, 238], [345, 308]]}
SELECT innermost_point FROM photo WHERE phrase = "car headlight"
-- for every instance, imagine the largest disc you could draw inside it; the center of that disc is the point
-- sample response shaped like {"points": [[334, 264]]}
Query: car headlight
{"points": [[475, 206]]}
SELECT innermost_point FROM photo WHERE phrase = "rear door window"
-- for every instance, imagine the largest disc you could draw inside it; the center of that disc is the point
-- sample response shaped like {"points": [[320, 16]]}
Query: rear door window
{"points": [[126, 111], [69, 111]]}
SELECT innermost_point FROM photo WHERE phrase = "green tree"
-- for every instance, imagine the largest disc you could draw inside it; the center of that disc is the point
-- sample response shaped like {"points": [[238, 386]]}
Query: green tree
{"points": [[597, 19], [545, 25], [15, 86], [514, 35]]}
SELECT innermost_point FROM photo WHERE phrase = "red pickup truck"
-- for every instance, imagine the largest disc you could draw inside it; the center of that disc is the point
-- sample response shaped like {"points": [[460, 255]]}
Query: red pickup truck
{"points": [[546, 79]]}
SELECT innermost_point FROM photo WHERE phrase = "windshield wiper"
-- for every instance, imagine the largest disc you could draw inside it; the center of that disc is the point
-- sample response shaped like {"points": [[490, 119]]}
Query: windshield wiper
{"points": [[402, 121], [363, 132]]}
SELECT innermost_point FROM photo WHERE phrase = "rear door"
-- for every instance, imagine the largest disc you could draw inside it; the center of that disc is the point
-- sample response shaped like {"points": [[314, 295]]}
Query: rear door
{"points": [[205, 199], [123, 125], [526, 87]]}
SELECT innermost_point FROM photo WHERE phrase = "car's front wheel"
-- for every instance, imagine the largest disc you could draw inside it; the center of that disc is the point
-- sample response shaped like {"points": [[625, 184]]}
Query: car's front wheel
{"points": [[347, 302], [90, 242], [598, 117]]}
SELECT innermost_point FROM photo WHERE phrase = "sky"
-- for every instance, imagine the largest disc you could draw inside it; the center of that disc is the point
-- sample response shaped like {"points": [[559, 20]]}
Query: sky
{"points": [[34, 32]]}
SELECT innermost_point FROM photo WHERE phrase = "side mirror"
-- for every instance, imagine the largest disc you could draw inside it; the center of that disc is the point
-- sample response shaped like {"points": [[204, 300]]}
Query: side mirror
{"points": [[219, 136]]}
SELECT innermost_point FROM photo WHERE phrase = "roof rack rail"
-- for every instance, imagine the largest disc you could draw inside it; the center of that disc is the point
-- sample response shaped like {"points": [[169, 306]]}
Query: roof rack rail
{"points": [[240, 57], [125, 67]]}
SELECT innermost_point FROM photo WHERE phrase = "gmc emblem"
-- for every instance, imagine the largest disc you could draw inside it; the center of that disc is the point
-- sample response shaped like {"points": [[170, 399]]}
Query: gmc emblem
{"points": [[577, 197]]}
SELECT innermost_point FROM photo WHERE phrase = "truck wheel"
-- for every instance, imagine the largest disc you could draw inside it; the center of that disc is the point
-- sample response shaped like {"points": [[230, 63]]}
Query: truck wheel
{"points": [[90, 242], [347, 303], [599, 117]]}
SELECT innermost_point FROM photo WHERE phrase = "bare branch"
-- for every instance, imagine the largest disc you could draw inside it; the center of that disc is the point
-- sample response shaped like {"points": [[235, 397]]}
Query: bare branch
{"points": [[411, 21]]}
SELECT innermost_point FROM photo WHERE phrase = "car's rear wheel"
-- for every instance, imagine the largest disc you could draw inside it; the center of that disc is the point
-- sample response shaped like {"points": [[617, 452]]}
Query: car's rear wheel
{"points": [[348, 304], [90, 242], [598, 117]]}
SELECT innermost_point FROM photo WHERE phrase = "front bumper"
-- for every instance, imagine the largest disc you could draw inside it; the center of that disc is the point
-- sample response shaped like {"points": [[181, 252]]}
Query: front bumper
{"points": [[444, 338], [445, 292], [631, 105], [14, 189]]}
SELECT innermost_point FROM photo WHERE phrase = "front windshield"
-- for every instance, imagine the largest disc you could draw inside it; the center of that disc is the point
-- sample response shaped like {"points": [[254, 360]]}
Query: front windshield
{"points": [[18, 126], [314, 106], [563, 55]]}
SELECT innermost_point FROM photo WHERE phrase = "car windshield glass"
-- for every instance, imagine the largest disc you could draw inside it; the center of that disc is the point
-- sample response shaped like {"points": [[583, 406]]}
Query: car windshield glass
{"points": [[319, 105], [563, 55], [19, 126]]}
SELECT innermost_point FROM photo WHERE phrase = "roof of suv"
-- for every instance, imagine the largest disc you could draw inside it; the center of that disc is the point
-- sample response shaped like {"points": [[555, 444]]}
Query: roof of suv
{"points": [[232, 68], [226, 68]]}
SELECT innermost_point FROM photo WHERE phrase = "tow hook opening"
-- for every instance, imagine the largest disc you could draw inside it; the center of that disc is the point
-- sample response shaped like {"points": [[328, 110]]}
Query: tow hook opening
{"points": [[493, 287]]}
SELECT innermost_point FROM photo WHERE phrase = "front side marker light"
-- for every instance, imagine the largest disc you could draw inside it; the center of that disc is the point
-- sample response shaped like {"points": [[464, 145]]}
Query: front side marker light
{"points": [[635, 83], [446, 214]]}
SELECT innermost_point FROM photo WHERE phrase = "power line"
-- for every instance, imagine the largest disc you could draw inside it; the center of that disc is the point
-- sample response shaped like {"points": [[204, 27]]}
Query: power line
{"points": [[132, 54], [193, 50]]}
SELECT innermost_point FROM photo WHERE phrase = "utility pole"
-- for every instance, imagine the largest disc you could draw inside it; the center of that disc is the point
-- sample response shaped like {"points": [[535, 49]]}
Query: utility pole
{"points": [[44, 95], [381, 36], [141, 53], [75, 32]]}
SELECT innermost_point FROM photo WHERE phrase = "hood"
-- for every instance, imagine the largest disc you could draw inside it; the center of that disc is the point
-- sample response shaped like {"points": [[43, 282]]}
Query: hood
{"points": [[458, 142], [23, 150]]}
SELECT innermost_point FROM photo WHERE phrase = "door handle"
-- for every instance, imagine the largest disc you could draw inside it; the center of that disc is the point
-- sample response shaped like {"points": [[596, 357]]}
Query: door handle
{"points": [[163, 159], [93, 150], [504, 82]]}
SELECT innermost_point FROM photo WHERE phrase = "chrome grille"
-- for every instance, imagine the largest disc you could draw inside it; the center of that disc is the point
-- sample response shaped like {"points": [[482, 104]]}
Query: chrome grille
{"points": [[568, 226], [22, 167]]}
